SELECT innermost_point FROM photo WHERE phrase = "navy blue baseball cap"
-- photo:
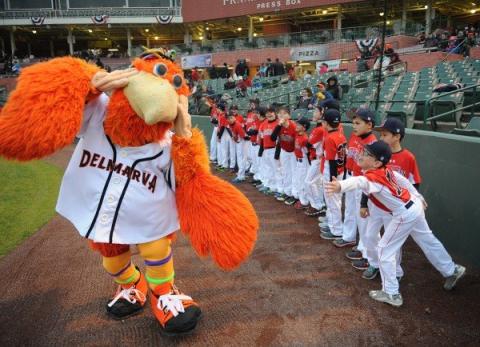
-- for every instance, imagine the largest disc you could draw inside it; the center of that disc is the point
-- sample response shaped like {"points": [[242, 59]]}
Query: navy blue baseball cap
{"points": [[304, 122], [393, 125], [262, 110], [330, 103], [332, 116], [380, 150], [365, 114]]}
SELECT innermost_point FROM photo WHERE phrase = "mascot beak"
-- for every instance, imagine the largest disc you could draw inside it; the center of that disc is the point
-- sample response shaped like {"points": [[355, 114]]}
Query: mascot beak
{"points": [[152, 98]]}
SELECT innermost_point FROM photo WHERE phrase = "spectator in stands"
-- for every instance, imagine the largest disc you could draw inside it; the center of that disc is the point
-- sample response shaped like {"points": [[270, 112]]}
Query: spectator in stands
{"points": [[223, 71], [270, 68], [362, 65], [443, 42], [243, 85], [278, 68], [334, 88], [195, 75], [298, 70], [322, 93], [230, 84], [394, 59], [291, 74], [306, 99], [242, 68], [212, 72], [323, 69], [307, 75]]}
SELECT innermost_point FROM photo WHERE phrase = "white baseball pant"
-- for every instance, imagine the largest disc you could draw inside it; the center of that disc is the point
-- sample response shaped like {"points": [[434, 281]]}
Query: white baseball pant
{"points": [[314, 185], [241, 152], [232, 151], [213, 144], [334, 205], [270, 169], [298, 183], [287, 165]]}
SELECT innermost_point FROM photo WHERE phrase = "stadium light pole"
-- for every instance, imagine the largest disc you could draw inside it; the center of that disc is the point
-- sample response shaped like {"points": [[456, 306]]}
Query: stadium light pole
{"points": [[380, 70]]}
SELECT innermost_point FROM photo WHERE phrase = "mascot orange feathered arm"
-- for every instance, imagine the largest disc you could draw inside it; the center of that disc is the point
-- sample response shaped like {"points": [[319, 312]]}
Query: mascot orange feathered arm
{"points": [[44, 113]]}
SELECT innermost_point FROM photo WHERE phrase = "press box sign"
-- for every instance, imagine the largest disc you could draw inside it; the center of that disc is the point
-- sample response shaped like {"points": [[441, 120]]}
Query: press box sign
{"points": [[276, 4], [311, 53]]}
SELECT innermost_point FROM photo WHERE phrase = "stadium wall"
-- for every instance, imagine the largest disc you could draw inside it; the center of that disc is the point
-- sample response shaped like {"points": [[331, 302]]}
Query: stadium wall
{"points": [[450, 167]]}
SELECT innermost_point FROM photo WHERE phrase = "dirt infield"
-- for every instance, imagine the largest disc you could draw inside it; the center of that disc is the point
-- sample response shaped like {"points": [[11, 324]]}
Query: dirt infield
{"points": [[296, 289]]}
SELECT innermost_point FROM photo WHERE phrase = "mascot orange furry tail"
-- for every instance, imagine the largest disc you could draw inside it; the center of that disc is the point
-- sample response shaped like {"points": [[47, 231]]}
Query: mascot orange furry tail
{"points": [[138, 174]]}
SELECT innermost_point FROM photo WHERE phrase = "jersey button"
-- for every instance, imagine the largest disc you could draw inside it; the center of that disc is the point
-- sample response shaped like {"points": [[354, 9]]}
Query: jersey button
{"points": [[110, 198], [104, 218], [123, 154]]}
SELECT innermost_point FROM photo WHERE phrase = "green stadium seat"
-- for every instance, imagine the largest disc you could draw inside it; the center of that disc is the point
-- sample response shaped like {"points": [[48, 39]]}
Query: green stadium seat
{"points": [[472, 129], [404, 111], [299, 113]]}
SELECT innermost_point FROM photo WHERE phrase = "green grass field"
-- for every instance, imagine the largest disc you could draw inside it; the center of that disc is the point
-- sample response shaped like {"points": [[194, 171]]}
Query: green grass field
{"points": [[28, 193]]}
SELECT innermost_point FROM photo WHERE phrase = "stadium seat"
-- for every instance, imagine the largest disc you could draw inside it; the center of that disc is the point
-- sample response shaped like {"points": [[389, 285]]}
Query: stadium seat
{"points": [[404, 111], [472, 129], [299, 113]]}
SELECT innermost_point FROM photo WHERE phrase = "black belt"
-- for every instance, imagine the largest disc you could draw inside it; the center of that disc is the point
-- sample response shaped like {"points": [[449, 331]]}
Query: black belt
{"points": [[268, 147], [299, 160], [409, 204], [254, 144]]}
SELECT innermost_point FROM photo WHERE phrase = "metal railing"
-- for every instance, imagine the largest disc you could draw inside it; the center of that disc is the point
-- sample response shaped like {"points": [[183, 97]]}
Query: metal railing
{"points": [[109, 11], [285, 40], [455, 111]]}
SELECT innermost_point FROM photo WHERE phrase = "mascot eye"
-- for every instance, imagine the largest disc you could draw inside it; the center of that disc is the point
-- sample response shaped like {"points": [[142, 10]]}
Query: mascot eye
{"points": [[177, 81], [160, 69]]}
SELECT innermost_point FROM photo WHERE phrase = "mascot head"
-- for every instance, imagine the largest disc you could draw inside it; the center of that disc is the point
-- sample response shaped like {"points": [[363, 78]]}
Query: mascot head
{"points": [[144, 110]]}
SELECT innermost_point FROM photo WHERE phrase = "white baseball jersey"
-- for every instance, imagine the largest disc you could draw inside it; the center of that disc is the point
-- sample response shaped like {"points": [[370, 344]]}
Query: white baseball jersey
{"points": [[114, 194]]}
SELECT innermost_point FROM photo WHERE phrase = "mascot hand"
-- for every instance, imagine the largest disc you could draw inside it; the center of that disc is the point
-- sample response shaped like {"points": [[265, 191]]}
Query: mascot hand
{"points": [[108, 81], [183, 122]]}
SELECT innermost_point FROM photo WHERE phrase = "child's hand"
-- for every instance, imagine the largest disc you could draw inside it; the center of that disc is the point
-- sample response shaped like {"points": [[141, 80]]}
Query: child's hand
{"points": [[425, 205], [364, 213], [332, 187]]}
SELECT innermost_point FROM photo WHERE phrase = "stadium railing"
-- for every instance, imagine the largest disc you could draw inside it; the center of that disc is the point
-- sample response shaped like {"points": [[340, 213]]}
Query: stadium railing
{"points": [[456, 111]]}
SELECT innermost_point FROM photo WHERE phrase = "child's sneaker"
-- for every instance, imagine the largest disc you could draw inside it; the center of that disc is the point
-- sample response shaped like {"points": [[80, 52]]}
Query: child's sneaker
{"points": [[299, 206], [354, 254], [282, 197], [237, 180], [327, 235], [262, 189], [290, 201], [176, 312], [379, 295], [313, 212], [361, 264], [340, 243], [452, 280], [128, 300], [370, 273]]}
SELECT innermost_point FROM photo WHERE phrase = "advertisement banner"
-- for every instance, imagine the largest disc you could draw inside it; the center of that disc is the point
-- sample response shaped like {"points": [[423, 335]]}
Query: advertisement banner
{"points": [[333, 65], [318, 52], [201, 60]]}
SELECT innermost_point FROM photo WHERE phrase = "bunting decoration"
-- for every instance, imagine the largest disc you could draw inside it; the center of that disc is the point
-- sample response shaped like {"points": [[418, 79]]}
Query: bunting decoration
{"points": [[100, 19], [167, 19], [366, 46], [37, 20]]}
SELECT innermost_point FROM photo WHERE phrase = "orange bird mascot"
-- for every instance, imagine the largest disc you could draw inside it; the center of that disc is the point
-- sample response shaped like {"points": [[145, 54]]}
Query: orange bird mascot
{"points": [[138, 174]]}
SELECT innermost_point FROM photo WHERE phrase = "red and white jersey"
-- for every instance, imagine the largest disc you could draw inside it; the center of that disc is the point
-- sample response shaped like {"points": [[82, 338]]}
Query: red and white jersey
{"points": [[387, 189], [287, 136], [316, 140], [238, 132], [334, 148], [239, 118], [355, 150], [222, 119], [252, 123], [404, 163], [266, 130], [214, 113], [301, 146]]}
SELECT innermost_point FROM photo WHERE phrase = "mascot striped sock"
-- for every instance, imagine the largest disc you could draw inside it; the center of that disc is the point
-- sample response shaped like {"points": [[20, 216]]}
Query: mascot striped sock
{"points": [[159, 262]]}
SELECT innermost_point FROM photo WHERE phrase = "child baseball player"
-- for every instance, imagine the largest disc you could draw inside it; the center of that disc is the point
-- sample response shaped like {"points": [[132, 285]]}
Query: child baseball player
{"points": [[363, 123], [333, 166], [314, 176], [392, 192], [224, 136], [262, 118], [252, 124], [300, 170], [285, 131], [269, 163], [214, 139], [392, 132], [240, 138]]}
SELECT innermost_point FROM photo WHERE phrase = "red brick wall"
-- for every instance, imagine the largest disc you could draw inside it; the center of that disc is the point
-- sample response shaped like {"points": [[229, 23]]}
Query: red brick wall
{"points": [[8, 83], [276, 29], [475, 53]]}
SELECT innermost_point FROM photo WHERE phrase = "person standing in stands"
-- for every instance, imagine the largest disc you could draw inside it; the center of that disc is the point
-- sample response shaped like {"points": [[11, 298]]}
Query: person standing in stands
{"points": [[334, 88]]}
